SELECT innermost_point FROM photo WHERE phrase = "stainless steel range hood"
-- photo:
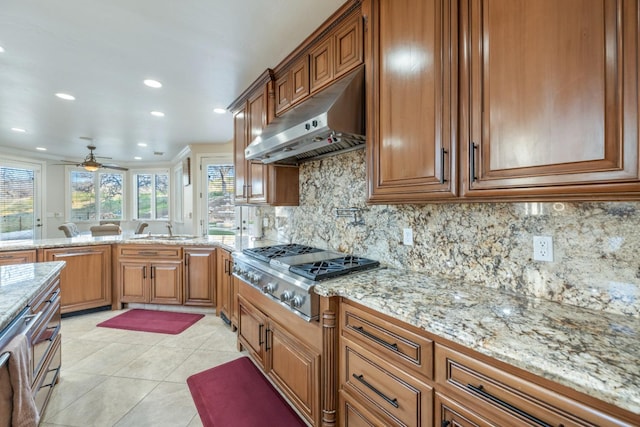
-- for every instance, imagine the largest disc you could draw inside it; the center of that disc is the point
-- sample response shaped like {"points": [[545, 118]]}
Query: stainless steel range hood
{"points": [[329, 122]]}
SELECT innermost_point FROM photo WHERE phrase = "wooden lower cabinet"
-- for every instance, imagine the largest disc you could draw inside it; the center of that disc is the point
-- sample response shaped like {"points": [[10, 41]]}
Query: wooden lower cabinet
{"points": [[17, 257], [85, 281], [200, 277], [473, 390], [353, 414], [290, 355], [227, 302], [149, 274]]}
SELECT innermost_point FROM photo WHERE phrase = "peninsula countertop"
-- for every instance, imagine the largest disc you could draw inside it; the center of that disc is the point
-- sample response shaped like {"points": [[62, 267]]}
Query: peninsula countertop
{"points": [[593, 352], [20, 283]]}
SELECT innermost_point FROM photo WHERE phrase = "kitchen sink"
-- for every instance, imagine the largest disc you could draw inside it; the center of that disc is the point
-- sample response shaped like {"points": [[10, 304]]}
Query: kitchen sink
{"points": [[164, 237]]}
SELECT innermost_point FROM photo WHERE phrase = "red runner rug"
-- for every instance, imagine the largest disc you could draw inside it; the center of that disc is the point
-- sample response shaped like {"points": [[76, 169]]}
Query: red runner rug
{"points": [[237, 394], [163, 322]]}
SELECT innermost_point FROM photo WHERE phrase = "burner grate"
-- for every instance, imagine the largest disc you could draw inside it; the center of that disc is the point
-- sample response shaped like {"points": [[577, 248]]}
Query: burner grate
{"points": [[327, 269], [267, 253]]}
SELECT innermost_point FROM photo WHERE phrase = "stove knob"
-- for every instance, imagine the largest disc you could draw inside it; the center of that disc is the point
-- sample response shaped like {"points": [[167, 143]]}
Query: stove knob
{"points": [[296, 301], [269, 288], [286, 296]]}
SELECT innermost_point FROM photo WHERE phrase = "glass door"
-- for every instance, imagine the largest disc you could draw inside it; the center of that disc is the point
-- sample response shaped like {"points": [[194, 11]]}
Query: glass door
{"points": [[20, 201], [217, 197]]}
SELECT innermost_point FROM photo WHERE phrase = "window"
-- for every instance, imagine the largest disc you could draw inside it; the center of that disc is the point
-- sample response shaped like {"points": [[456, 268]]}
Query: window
{"points": [[96, 196], [16, 203], [151, 195], [219, 201]]}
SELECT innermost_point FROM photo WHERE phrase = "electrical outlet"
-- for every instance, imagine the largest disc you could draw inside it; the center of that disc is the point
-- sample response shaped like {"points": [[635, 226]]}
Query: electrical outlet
{"points": [[407, 236], [265, 221], [543, 248]]}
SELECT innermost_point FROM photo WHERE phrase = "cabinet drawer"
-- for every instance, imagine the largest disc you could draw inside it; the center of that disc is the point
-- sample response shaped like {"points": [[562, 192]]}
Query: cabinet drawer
{"points": [[150, 252], [509, 399], [400, 397], [352, 414], [392, 342], [45, 383]]}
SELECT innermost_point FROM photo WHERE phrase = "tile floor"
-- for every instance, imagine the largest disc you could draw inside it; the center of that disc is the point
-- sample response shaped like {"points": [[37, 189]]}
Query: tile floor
{"points": [[112, 377]]}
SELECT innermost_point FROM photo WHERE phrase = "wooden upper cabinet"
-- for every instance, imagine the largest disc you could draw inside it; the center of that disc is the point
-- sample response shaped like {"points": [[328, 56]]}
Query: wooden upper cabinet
{"points": [[299, 80], [411, 92], [348, 45], [552, 93], [256, 122], [321, 70]]}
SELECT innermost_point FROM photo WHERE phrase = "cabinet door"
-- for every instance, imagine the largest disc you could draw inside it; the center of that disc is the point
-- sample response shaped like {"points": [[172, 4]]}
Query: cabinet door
{"points": [[412, 87], [223, 275], [85, 281], [348, 42], [133, 281], [552, 93], [234, 304], [256, 121], [321, 69], [448, 413], [240, 164], [283, 92], [166, 282], [299, 80], [200, 277], [295, 368], [252, 324], [17, 257]]}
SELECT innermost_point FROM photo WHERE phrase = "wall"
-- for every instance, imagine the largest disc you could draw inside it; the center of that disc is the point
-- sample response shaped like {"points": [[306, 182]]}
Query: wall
{"points": [[596, 245]]}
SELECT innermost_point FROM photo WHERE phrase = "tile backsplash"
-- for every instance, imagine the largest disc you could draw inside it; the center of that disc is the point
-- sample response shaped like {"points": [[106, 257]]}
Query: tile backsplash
{"points": [[596, 245]]}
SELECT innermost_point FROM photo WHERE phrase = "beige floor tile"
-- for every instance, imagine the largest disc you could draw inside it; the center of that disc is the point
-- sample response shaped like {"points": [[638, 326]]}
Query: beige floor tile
{"points": [[155, 363], [199, 361], [71, 387], [74, 350], [220, 340], [169, 404], [122, 336], [195, 422], [109, 359], [105, 404]]}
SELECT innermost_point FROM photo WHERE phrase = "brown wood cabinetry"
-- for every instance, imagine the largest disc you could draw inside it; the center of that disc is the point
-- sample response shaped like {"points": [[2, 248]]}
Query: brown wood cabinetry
{"points": [[472, 392], [287, 348], [502, 100], [257, 183], [86, 279], [292, 85], [227, 289], [385, 370], [199, 277], [411, 88], [552, 95], [338, 53], [17, 257], [149, 274], [45, 356]]}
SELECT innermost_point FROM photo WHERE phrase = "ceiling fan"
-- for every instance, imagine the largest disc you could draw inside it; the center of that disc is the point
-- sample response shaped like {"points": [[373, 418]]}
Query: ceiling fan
{"points": [[91, 164]]}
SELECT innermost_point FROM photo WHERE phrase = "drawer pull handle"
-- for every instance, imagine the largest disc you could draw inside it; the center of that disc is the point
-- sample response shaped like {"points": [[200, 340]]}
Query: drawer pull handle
{"points": [[380, 341], [445, 423], [392, 402], [148, 253], [480, 390]]}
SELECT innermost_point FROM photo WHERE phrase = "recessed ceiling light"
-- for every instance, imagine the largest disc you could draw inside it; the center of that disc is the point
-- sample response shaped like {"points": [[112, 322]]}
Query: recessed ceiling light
{"points": [[19, 130], [142, 144], [1, 49], [219, 110], [157, 113], [153, 83], [65, 96], [41, 149], [138, 158]]}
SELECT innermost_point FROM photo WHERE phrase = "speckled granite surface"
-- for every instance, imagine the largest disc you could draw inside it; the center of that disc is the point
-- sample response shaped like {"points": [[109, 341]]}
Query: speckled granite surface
{"points": [[596, 245], [593, 352], [19, 283]]}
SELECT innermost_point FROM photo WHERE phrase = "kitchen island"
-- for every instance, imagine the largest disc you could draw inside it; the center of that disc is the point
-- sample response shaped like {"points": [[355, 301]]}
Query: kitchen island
{"points": [[592, 352], [20, 283]]}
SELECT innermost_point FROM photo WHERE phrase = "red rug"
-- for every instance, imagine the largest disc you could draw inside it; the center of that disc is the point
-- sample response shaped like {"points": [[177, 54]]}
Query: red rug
{"points": [[237, 394], [162, 322]]}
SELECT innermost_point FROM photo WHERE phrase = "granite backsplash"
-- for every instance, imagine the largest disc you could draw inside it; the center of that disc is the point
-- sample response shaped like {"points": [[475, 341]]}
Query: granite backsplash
{"points": [[596, 245]]}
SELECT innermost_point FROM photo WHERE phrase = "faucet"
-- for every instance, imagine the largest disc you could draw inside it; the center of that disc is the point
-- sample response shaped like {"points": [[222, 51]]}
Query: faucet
{"points": [[170, 228]]}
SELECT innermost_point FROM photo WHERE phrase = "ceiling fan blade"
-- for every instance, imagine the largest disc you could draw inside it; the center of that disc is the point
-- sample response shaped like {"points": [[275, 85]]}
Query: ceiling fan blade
{"points": [[114, 167]]}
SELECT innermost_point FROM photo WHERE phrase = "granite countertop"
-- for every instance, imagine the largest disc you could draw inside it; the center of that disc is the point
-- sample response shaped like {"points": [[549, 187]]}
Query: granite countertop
{"points": [[593, 352], [231, 243], [20, 283]]}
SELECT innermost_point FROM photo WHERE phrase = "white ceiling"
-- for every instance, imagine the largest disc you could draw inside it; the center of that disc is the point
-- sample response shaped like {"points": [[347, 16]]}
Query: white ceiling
{"points": [[205, 53]]}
